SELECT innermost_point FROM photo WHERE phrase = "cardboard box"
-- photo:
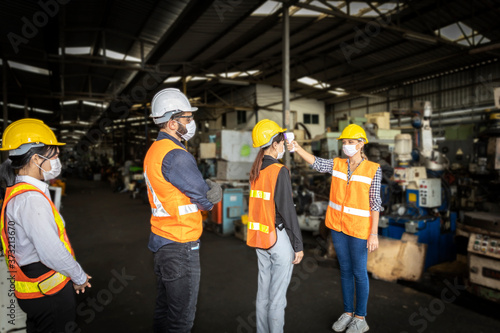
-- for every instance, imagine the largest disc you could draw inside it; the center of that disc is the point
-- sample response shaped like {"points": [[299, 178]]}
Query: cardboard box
{"points": [[381, 119], [233, 170], [207, 150]]}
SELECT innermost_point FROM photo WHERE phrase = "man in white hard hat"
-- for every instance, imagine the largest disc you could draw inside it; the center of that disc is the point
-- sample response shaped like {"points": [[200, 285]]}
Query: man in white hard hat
{"points": [[177, 193]]}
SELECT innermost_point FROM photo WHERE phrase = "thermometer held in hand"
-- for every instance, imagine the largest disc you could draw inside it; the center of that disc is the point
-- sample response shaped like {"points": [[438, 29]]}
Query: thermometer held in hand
{"points": [[289, 136]]}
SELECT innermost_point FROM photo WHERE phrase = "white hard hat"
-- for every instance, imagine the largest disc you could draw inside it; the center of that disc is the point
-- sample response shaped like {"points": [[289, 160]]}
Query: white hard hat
{"points": [[168, 102]]}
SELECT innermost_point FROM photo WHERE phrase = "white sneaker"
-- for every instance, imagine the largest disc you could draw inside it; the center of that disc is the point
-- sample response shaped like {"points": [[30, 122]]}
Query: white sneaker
{"points": [[341, 323], [357, 326]]}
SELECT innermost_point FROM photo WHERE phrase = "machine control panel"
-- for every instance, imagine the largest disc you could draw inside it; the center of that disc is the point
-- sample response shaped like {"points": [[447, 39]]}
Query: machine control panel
{"points": [[429, 192], [485, 245]]}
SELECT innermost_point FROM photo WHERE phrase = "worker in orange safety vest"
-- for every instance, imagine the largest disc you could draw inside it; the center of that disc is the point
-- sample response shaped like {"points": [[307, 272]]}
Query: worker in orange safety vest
{"points": [[352, 215], [273, 228], [37, 250], [177, 194]]}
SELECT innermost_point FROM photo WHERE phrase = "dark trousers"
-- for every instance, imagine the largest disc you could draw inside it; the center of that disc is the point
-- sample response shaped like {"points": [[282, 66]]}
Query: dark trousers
{"points": [[48, 314], [177, 267]]}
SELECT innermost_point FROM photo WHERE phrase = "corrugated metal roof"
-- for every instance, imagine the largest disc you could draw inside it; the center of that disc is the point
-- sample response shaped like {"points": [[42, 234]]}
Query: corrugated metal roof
{"points": [[193, 38]]}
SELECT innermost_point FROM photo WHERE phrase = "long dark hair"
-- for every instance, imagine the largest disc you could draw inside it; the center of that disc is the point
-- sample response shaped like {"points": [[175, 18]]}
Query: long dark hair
{"points": [[257, 164], [10, 167]]}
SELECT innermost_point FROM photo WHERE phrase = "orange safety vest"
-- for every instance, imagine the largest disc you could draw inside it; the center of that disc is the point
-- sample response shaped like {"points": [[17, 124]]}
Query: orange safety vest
{"points": [[173, 216], [25, 287], [261, 209], [349, 206]]}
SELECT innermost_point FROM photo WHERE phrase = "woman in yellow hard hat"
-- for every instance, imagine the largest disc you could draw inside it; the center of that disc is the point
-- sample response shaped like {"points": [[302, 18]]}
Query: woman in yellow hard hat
{"points": [[273, 228], [353, 214], [37, 250]]}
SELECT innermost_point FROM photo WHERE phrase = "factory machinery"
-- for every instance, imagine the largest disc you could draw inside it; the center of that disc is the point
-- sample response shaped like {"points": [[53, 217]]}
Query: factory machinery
{"points": [[449, 198], [443, 191], [421, 202]]}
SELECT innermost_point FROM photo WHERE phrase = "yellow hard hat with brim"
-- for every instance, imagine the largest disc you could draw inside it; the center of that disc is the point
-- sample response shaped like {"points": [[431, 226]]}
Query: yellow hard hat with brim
{"points": [[27, 133], [264, 131], [353, 131]]}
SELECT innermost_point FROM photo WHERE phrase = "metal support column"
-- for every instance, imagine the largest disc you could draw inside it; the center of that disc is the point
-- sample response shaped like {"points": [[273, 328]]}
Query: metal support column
{"points": [[286, 73]]}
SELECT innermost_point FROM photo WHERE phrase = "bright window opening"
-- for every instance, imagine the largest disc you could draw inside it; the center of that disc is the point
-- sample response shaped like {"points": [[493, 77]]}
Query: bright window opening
{"points": [[75, 50], [461, 33], [118, 56], [313, 83], [27, 68], [267, 8]]}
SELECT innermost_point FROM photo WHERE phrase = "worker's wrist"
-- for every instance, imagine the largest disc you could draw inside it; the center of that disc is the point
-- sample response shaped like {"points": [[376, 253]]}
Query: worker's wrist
{"points": [[373, 234]]}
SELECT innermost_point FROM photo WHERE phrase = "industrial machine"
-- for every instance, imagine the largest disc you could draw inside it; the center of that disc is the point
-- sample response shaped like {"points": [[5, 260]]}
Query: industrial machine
{"points": [[422, 204], [229, 209], [483, 253]]}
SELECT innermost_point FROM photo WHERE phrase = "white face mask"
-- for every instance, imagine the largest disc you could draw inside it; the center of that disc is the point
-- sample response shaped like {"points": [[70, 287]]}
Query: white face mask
{"points": [[350, 150], [55, 168], [191, 130], [280, 155]]}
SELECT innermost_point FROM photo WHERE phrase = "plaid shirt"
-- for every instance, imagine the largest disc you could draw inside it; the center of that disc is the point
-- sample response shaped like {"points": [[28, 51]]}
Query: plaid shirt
{"points": [[324, 166]]}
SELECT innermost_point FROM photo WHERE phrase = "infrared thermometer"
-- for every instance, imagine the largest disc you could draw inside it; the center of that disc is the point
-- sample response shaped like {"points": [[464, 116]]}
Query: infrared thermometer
{"points": [[289, 136]]}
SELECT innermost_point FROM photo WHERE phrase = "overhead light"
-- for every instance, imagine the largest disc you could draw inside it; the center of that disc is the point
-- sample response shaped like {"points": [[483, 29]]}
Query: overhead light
{"points": [[234, 82], [28, 68], [69, 102], [172, 79], [338, 93], [76, 50], [98, 105], [420, 38], [119, 56]]}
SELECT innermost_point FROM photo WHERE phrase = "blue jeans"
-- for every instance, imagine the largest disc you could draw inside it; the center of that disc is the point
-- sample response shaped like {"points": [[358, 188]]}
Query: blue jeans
{"points": [[352, 255], [275, 272], [177, 267]]}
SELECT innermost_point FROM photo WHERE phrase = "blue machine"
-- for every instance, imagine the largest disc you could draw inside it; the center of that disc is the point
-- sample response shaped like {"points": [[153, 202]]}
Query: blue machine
{"points": [[429, 229], [232, 209]]}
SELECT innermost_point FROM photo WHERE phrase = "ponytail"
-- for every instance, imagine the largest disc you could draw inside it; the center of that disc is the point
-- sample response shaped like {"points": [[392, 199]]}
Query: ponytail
{"points": [[7, 174], [257, 164]]}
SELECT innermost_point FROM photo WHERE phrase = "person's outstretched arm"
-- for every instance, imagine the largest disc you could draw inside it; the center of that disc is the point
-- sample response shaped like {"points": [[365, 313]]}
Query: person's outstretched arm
{"points": [[308, 157]]}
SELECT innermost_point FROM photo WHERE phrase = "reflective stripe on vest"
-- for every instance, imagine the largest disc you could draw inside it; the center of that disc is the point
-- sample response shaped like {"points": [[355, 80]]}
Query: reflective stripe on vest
{"points": [[188, 209], [43, 286], [349, 206], [258, 226], [349, 210], [260, 194], [50, 282], [261, 231], [158, 211]]}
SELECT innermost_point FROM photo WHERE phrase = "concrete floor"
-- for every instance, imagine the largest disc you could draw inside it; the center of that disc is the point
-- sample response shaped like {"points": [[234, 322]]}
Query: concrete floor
{"points": [[109, 232]]}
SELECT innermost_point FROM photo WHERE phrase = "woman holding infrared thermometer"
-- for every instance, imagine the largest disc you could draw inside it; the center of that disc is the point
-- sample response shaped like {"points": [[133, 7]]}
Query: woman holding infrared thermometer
{"points": [[353, 214]]}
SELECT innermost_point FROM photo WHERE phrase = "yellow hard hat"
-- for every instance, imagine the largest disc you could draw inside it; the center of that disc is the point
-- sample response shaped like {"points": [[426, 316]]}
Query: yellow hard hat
{"points": [[27, 131], [264, 131], [353, 131]]}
